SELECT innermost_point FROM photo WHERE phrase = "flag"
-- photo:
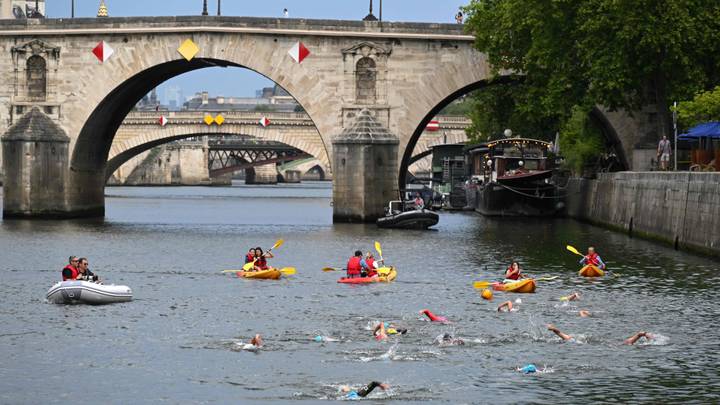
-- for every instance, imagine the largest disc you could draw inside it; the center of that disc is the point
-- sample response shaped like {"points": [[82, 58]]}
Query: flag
{"points": [[103, 51], [299, 52], [162, 121], [264, 121]]}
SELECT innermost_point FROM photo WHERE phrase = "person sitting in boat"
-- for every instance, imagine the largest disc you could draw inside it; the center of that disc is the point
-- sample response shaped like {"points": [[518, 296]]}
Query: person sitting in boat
{"points": [[370, 265], [513, 272], [419, 202], [354, 265], [261, 262], [70, 271], [593, 259], [84, 273], [250, 256]]}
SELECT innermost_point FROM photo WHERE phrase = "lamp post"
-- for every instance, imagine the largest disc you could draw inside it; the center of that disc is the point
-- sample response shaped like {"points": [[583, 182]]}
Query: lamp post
{"points": [[370, 17], [676, 136], [218, 7], [204, 12], [380, 10], [72, 8]]}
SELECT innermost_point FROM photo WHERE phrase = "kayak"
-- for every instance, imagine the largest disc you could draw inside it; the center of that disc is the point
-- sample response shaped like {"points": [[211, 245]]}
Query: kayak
{"points": [[591, 271], [526, 285], [85, 292], [367, 280], [269, 274]]}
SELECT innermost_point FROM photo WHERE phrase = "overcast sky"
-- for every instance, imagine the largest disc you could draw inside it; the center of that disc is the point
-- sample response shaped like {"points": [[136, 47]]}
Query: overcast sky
{"points": [[241, 82]]}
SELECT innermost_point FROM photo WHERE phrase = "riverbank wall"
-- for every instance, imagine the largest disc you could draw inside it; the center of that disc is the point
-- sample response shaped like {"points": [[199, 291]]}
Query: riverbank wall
{"points": [[681, 209]]}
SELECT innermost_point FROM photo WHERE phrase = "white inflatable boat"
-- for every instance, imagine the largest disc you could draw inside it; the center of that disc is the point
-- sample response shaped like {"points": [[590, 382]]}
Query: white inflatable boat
{"points": [[84, 292]]}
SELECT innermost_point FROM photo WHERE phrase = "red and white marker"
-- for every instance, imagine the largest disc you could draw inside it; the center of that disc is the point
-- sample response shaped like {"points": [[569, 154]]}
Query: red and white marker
{"points": [[299, 52], [103, 51], [264, 121], [433, 126], [163, 121]]}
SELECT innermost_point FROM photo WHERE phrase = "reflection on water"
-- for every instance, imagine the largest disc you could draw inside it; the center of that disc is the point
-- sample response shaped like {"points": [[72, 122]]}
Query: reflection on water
{"points": [[178, 340]]}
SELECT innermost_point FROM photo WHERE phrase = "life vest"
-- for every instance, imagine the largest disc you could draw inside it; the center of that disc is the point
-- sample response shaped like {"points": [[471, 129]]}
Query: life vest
{"points": [[353, 266], [511, 276], [592, 259], [371, 267], [69, 273], [261, 263], [249, 258]]}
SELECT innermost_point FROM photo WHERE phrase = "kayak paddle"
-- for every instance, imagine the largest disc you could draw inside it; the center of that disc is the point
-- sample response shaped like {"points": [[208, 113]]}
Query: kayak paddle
{"points": [[330, 269], [484, 284], [572, 249], [249, 265], [384, 271], [379, 249], [288, 271]]}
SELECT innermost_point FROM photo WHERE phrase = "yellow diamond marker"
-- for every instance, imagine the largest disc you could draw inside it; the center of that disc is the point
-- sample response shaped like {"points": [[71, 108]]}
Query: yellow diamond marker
{"points": [[219, 119], [188, 49], [209, 119]]}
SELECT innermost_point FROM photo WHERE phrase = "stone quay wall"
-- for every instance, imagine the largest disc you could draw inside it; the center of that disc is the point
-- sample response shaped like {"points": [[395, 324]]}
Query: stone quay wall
{"points": [[678, 208]]}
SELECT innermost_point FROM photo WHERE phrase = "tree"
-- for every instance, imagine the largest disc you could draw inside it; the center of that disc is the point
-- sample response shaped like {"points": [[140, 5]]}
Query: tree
{"points": [[704, 107], [580, 141], [622, 54]]}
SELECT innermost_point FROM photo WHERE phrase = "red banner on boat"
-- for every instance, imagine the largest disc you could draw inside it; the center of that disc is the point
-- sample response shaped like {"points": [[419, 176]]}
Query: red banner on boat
{"points": [[433, 126]]}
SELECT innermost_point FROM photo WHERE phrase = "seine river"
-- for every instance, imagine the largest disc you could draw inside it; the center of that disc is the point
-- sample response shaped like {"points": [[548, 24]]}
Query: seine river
{"points": [[179, 340]]}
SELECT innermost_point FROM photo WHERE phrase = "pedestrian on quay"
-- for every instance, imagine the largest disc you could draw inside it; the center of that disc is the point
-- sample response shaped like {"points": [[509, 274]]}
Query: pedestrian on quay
{"points": [[459, 17], [286, 13], [663, 152]]}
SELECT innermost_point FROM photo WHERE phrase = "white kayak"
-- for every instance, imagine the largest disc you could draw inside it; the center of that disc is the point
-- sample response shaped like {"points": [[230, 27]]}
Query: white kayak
{"points": [[85, 292]]}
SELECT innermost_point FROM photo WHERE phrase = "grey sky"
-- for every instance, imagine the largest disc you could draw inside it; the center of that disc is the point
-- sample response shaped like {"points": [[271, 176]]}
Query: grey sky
{"points": [[241, 82]]}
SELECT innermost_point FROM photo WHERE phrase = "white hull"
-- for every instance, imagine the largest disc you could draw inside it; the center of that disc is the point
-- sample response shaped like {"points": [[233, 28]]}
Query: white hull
{"points": [[83, 292]]}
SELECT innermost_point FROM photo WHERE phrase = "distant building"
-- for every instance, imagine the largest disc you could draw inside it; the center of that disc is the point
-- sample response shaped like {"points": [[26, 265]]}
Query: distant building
{"points": [[273, 99], [21, 9]]}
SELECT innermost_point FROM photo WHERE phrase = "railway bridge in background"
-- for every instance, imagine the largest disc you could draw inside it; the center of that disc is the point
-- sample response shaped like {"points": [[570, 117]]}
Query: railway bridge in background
{"points": [[370, 88]]}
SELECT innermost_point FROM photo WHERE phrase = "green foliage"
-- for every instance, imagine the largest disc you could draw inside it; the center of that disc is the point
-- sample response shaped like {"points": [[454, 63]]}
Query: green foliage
{"points": [[703, 108], [459, 107], [580, 142], [616, 53]]}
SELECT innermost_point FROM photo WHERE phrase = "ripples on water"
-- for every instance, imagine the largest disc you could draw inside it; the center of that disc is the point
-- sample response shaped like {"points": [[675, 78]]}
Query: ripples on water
{"points": [[178, 341]]}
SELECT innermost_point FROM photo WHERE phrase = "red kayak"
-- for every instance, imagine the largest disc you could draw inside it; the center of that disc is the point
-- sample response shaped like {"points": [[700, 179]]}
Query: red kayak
{"points": [[367, 280]]}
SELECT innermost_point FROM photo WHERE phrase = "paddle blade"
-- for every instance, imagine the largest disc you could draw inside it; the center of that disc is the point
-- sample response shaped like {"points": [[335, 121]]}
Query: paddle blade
{"points": [[277, 244], [378, 248], [288, 271], [249, 265], [329, 269], [572, 249], [481, 284], [384, 271], [230, 271], [546, 278]]}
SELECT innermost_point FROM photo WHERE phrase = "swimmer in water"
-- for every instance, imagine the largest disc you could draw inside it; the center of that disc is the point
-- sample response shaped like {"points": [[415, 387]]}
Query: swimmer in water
{"points": [[584, 314], [448, 340], [572, 297], [255, 343], [383, 329], [379, 332], [433, 317], [507, 306], [556, 331], [364, 391], [634, 338]]}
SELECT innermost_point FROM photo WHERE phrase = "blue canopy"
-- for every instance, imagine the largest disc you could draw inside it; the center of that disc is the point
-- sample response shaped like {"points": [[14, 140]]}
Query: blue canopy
{"points": [[704, 130]]}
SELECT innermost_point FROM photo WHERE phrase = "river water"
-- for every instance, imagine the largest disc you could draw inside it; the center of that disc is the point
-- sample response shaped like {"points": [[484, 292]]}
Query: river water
{"points": [[177, 341]]}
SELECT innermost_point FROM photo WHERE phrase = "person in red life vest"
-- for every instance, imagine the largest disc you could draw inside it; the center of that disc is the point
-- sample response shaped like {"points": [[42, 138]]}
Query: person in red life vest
{"points": [[354, 265], [250, 256], [513, 272], [261, 262], [593, 259], [370, 265], [70, 271]]}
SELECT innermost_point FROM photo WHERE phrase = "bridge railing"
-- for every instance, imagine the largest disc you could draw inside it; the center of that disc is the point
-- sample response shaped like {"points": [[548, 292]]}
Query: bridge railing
{"points": [[147, 115]]}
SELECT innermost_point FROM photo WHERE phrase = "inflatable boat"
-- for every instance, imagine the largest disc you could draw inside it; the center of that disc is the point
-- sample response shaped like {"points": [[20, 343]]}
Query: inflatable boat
{"points": [[85, 292], [413, 219]]}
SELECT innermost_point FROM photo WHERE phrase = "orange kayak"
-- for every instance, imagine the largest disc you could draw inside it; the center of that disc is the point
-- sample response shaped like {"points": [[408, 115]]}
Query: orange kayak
{"points": [[591, 271], [269, 274], [526, 285]]}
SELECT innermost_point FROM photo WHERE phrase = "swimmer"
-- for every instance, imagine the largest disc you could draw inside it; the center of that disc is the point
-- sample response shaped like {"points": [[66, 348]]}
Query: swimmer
{"points": [[364, 391], [508, 305], [634, 338], [572, 297], [556, 331], [255, 343], [584, 314], [448, 340], [530, 368], [433, 317], [379, 332]]}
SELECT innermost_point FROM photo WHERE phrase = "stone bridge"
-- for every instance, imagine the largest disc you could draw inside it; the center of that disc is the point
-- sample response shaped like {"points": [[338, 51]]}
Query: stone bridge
{"points": [[402, 73]]}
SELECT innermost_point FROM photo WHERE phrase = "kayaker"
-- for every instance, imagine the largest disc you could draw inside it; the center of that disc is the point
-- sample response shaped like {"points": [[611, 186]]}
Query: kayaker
{"points": [[261, 259], [513, 272], [593, 259], [70, 271], [354, 265], [364, 391], [370, 265], [250, 256]]}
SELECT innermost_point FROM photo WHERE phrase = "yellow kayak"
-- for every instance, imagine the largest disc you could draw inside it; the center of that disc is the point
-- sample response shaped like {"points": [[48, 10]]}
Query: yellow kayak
{"points": [[591, 271], [269, 274], [526, 285]]}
